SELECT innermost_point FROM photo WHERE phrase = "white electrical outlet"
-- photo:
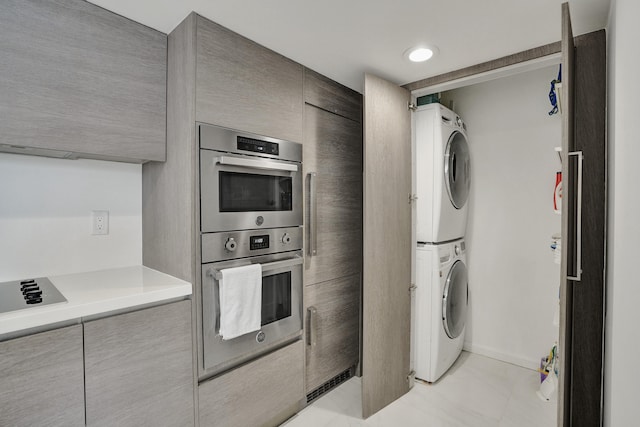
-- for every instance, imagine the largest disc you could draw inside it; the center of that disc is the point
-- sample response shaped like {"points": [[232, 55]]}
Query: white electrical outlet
{"points": [[100, 222]]}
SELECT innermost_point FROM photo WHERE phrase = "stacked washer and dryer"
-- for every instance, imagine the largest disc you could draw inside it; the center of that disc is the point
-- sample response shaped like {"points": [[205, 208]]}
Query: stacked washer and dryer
{"points": [[442, 187]]}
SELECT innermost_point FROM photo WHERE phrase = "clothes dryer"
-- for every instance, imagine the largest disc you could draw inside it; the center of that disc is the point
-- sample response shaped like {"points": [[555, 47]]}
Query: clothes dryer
{"points": [[442, 174], [441, 300]]}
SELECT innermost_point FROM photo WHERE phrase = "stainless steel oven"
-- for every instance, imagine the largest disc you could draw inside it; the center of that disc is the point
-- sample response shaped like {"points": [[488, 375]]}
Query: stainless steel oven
{"points": [[280, 255], [248, 181]]}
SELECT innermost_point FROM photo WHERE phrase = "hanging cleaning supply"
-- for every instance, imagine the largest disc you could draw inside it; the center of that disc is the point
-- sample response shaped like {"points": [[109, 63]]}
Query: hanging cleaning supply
{"points": [[557, 194], [552, 92]]}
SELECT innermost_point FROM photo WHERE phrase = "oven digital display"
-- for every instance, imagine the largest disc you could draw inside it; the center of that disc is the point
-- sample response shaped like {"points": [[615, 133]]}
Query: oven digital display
{"points": [[258, 146], [259, 242]]}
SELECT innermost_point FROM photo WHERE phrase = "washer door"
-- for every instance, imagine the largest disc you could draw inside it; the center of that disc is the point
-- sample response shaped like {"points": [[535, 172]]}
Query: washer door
{"points": [[456, 169], [454, 300]]}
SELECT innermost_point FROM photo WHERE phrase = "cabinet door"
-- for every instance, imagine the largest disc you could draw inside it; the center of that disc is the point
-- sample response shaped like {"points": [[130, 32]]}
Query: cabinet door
{"points": [[584, 227], [386, 300], [138, 368], [324, 93], [333, 218], [264, 392], [244, 86], [333, 332], [78, 78], [41, 379]]}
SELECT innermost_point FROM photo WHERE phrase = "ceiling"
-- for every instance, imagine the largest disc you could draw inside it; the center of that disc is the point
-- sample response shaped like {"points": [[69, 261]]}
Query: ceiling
{"points": [[343, 39]]}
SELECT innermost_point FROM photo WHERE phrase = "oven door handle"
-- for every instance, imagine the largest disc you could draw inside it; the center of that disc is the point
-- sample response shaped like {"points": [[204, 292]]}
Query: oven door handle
{"points": [[289, 262], [256, 163]]}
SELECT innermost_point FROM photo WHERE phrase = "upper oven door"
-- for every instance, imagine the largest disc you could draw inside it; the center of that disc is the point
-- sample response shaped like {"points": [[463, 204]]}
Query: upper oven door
{"points": [[245, 192], [248, 181]]}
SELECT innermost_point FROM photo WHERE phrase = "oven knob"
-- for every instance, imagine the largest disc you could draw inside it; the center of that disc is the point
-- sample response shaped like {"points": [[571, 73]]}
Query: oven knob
{"points": [[260, 337], [259, 220], [457, 250], [286, 239], [230, 245]]}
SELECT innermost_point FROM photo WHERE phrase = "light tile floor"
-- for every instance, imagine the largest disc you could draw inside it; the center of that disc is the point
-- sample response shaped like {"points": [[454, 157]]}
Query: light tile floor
{"points": [[477, 391]]}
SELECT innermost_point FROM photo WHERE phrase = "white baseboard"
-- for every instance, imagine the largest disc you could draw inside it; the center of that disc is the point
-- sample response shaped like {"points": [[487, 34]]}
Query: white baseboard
{"points": [[502, 356]]}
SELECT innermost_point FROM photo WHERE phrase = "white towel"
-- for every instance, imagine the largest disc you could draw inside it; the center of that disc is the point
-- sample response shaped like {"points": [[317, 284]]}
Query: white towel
{"points": [[240, 300]]}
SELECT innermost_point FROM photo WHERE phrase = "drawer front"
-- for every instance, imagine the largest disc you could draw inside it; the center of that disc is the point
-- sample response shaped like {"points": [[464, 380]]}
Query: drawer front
{"points": [[256, 394]]}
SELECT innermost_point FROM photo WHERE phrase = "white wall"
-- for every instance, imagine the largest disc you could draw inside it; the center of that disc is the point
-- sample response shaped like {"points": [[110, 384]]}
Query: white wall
{"points": [[622, 349], [513, 281], [45, 215]]}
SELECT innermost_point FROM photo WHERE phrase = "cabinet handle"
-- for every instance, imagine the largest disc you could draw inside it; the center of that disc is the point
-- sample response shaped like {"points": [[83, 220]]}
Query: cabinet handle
{"points": [[577, 264], [313, 312], [313, 215]]}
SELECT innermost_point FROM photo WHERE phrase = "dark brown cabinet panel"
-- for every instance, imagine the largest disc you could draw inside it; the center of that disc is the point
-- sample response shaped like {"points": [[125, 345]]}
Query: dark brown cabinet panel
{"points": [[583, 299], [76, 78], [333, 331], [41, 379], [245, 86], [261, 393], [139, 369]]}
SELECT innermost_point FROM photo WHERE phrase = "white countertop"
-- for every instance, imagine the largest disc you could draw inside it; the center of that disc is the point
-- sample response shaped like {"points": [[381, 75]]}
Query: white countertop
{"points": [[98, 292]]}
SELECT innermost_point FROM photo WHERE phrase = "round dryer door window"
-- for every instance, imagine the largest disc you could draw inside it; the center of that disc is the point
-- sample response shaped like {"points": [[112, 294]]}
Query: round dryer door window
{"points": [[456, 169], [454, 300]]}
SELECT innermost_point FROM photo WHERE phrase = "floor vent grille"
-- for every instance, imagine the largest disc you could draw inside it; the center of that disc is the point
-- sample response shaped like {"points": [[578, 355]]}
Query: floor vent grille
{"points": [[329, 385]]}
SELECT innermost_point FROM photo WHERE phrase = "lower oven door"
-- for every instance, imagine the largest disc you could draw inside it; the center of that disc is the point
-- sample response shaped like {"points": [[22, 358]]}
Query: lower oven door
{"points": [[281, 311]]}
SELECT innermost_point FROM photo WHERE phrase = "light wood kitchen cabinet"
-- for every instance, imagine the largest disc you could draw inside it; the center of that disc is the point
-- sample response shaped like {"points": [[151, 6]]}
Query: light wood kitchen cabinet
{"points": [[332, 329], [242, 85], [333, 221], [79, 81], [41, 379], [331, 96], [332, 163], [139, 369], [261, 393]]}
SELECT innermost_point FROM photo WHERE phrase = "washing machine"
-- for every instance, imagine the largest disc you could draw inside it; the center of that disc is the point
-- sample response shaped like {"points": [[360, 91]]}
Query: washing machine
{"points": [[442, 174], [441, 299]]}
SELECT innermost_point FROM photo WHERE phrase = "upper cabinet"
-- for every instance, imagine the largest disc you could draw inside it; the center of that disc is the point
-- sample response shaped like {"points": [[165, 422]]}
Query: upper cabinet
{"points": [[331, 96], [242, 85], [79, 81]]}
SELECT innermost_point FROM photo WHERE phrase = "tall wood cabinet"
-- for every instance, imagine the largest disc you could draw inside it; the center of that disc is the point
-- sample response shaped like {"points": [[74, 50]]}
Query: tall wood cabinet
{"points": [[332, 164], [218, 77], [79, 81], [41, 379]]}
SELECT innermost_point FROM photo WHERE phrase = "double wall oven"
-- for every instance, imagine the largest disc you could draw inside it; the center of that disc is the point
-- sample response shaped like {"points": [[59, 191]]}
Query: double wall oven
{"points": [[250, 212]]}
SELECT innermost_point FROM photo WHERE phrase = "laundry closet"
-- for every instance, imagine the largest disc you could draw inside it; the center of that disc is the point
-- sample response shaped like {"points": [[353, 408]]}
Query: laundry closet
{"points": [[514, 283]]}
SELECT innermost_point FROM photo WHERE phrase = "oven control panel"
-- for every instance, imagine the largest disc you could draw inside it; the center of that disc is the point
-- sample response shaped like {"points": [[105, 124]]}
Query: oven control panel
{"points": [[257, 146], [258, 242], [239, 244]]}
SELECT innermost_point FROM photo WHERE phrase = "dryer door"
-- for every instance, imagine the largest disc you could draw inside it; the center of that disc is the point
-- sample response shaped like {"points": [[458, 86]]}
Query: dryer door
{"points": [[454, 300], [456, 169]]}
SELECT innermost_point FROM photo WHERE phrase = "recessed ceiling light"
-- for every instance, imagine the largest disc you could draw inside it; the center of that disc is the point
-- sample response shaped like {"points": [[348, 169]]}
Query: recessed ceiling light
{"points": [[420, 53]]}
